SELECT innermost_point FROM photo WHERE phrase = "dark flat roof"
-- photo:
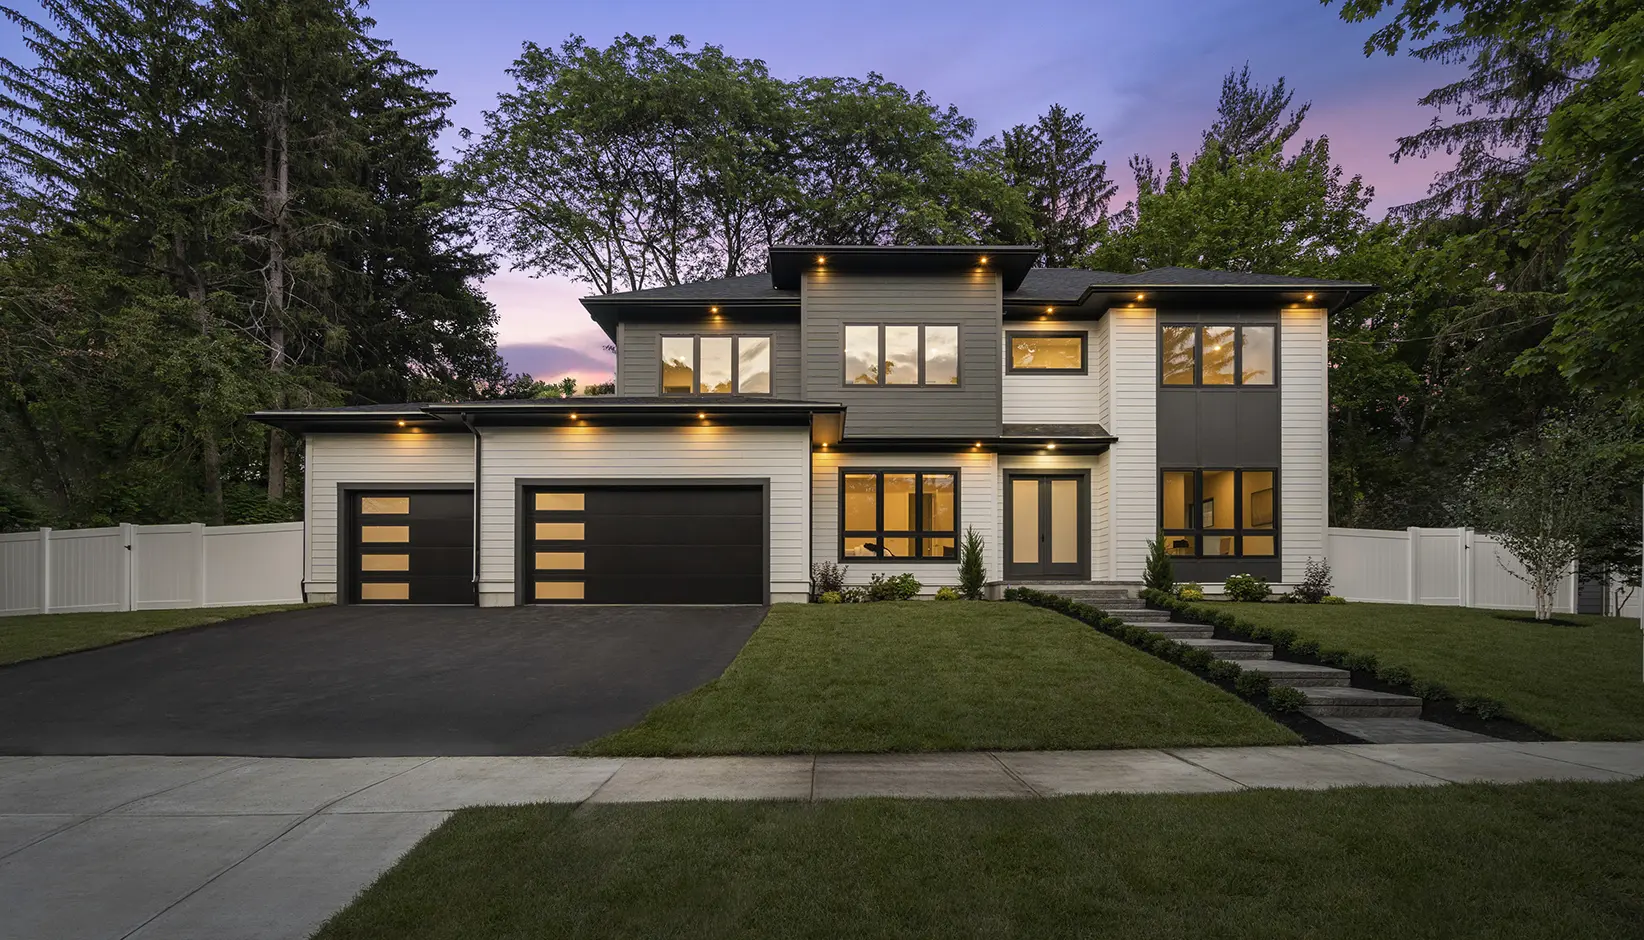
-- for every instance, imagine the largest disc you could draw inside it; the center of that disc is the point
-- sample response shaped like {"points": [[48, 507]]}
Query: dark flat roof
{"points": [[1011, 262], [632, 409]]}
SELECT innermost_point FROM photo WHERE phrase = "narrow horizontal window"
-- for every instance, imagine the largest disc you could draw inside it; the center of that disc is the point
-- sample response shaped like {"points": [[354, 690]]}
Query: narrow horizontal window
{"points": [[1047, 352], [385, 533], [559, 531], [385, 591], [385, 562], [559, 561], [559, 502], [559, 590], [385, 505]]}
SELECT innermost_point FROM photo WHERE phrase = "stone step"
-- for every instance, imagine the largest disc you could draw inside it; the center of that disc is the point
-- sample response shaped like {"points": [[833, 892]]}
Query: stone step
{"points": [[1233, 649], [1300, 675], [1359, 703], [1177, 631]]}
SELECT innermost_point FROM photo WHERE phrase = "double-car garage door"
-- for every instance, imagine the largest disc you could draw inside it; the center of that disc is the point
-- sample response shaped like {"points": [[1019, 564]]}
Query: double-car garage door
{"points": [[649, 544]]}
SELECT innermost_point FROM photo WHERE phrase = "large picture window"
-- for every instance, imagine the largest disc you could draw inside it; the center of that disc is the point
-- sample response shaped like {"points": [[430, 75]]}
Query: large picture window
{"points": [[901, 354], [716, 364], [910, 515], [1218, 355], [1046, 352], [1208, 513]]}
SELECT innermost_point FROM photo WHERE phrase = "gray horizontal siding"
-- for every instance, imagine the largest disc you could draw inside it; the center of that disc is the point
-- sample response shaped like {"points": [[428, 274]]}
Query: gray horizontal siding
{"points": [[973, 301], [639, 351]]}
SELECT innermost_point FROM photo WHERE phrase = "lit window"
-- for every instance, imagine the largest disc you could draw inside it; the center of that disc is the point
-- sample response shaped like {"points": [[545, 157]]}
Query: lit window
{"points": [[901, 354], [1219, 513], [559, 502], [1218, 355], [716, 365], [1046, 352], [385, 505], [900, 514]]}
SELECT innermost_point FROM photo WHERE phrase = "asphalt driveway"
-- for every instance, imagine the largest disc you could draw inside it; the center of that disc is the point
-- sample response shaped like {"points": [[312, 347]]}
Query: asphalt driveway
{"points": [[372, 682]]}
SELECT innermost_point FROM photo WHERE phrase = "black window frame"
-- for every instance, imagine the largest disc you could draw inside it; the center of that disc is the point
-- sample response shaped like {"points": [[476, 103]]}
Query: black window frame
{"points": [[1197, 530], [736, 338], [917, 533], [1083, 336], [844, 360], [1198, 329]]}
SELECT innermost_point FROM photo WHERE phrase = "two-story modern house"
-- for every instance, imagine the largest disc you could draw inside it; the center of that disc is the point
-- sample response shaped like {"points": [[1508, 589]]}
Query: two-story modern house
{"points": [[864, 405]]}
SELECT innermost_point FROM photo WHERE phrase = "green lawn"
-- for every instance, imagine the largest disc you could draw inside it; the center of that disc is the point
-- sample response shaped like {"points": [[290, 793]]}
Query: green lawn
{"points": [[937, 676], [34, 636], [1525, 862], [1580, 682]]}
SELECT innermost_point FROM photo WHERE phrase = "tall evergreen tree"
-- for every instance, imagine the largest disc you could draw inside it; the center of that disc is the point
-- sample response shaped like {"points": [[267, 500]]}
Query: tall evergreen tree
{"points": [[1250, 117], [1053, 164]]}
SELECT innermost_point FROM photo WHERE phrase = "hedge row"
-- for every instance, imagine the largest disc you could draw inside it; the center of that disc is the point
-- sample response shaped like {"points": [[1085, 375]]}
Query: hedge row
{"points": [[1285, 640], [1253, 686]]}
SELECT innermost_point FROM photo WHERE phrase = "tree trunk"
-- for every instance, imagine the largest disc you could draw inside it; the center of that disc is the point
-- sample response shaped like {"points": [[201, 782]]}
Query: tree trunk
{"points": [[276, 193]]}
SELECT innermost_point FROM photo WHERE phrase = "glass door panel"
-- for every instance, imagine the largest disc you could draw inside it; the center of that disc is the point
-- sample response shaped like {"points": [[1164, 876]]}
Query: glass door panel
{"points": [[1064, 524], [1024, 529]]}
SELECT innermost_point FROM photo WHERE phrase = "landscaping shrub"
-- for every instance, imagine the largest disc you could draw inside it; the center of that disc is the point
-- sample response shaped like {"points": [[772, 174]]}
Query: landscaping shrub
{"points": [[1334, 657], [1224, 671], [1332, 599], [896, 587], [973, 576], [1190, 591], [1158, 575], [826, 578], [854, 595], [1198, 660], [1282, 639], [1360, 662], [1252, 684], [946, 594], [831, 597], [1394, 675], [1428, 690], [1315, 582], [1481, 706], [1246, 587], [1283, 698], [1305, 647]]}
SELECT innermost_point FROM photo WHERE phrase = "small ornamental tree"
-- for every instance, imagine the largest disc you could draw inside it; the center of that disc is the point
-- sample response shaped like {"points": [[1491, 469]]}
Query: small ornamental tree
{"points": [[1548, 495], [973, 574], [1159, 575]]}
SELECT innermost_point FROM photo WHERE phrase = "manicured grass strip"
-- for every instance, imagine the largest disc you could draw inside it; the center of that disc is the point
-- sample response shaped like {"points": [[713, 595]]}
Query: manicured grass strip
{"points": [[37, 635], [1581, 683], [937, 676], [1521, 862]]}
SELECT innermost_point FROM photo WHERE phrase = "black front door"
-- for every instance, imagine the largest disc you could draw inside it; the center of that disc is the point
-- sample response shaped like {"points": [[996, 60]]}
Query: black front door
{"points": [[411, 547], [1047, 531]]}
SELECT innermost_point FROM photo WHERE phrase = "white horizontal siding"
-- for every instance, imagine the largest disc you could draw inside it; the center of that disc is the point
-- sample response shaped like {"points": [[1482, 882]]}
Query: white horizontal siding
{"points": [[1132, 462], [388, 459], [1304, 443], [978, 508], [781, 455], [1052, 398]]}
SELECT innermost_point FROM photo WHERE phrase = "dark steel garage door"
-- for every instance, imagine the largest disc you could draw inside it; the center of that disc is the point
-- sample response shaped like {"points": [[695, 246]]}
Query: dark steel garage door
{"points": [[411, 547], [645, 544]]}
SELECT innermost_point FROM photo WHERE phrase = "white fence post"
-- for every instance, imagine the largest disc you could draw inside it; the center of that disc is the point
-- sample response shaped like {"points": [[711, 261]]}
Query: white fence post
{"points": [[1466, 567], [1413, 545], [199, 549], [45, 569], [128, 579]]}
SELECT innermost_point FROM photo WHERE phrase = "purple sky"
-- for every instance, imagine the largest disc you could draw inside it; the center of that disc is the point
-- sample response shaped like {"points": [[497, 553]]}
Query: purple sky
{"points": [[1145, 74]]}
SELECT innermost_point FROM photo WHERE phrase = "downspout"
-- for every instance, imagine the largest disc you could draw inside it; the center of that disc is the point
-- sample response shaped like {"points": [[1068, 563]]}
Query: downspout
{"points": [[468, 421]]}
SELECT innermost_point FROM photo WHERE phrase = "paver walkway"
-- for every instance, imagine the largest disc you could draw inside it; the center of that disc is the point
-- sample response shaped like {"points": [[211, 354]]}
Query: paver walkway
{"points": [[229, 847]]}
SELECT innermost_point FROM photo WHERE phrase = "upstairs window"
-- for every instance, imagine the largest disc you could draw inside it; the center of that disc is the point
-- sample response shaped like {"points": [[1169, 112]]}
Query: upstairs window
{"points": [[1046, 352], [716, 364], [1219, 513], [901, 354], [1217, 355], [902, 514]]}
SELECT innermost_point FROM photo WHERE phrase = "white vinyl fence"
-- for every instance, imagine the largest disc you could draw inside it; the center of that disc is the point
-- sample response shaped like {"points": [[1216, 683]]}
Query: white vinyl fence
{"points": [[150, 567], [1455, 567]]}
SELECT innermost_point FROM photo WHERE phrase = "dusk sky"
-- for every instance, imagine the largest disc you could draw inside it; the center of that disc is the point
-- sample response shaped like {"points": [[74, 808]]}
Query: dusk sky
{"points": [[1145, 74]]}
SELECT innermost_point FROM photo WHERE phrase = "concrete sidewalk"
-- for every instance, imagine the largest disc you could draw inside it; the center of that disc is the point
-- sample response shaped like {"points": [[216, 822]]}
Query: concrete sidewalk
{"points": [[226, 848]]}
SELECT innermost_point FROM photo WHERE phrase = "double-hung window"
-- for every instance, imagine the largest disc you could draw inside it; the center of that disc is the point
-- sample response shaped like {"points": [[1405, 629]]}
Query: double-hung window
{"points": [[901, 514], [1219, 513], [1241, 354], [716, 364], [901, 354]]}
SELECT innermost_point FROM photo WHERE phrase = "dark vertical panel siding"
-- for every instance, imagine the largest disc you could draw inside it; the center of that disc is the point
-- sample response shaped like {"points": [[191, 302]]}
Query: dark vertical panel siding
{"points": [[973, 301]]}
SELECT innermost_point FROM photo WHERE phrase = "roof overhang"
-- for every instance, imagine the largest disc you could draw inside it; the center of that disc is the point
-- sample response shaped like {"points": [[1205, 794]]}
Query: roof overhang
{"points": [[606, 312], [1197, 296], [997, 444], [555, 412], [1011, 262], [410, 419]]}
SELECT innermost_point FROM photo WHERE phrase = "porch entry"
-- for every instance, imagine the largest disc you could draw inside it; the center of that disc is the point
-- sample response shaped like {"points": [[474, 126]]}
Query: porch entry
{"points": [[1047, 526]]}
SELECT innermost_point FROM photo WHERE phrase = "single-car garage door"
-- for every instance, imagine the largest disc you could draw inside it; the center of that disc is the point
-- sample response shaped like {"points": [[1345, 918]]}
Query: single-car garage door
{"points": [[645, 544], [407, 547]]}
